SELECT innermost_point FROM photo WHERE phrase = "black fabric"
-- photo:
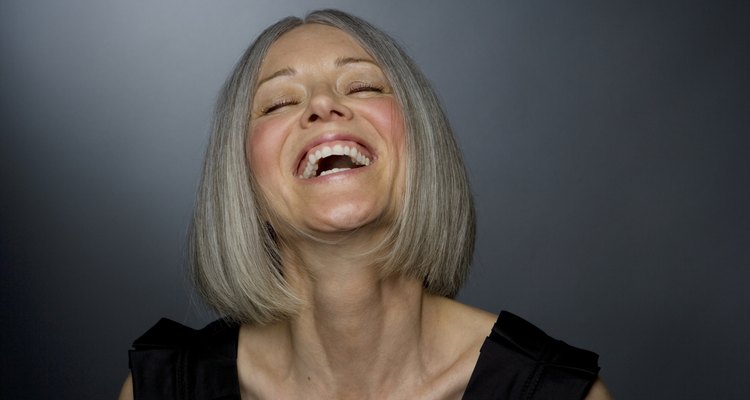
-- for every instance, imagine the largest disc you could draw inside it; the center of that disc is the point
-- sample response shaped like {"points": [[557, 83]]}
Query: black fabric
{"points": [[517, 361], [173, 362]]}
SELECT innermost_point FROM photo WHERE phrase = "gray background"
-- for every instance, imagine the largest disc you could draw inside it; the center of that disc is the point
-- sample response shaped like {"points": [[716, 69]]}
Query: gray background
{"points": [[606, 142]]}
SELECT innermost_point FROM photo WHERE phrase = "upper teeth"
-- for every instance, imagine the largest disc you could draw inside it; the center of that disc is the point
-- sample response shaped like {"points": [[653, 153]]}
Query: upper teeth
{"points": [[337, 150]]}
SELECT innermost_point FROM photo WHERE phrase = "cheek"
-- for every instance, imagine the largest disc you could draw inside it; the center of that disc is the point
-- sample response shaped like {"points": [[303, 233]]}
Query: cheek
{"points": [[263, 149], [386, 115]]}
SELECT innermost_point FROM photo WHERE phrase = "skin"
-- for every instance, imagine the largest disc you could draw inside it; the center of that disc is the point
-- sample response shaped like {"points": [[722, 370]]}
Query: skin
{"points": [[335, 89], [360, 336]]}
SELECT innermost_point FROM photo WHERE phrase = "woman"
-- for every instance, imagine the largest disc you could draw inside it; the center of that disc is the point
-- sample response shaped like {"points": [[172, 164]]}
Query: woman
{"points": [[333, 225]]}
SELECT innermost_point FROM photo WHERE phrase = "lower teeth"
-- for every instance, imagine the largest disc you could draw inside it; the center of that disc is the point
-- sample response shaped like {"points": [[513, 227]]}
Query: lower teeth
{"points": [[334, 170]]}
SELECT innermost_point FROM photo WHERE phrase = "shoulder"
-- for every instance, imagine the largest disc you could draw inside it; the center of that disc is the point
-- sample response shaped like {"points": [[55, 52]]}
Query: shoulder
{"points": [[172, 352], [170, 334], [519, 360], [463, 320], [461, 329]]}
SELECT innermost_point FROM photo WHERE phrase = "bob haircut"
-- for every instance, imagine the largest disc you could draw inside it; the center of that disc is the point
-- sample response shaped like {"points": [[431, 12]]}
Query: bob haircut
{"points": [[234, 258]]}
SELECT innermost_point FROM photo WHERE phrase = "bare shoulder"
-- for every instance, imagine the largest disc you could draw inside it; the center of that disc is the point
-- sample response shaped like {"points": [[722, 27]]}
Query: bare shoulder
{"points": [[456, 333], [473, 315], [126, 393], [599, 392], [467, 324]]}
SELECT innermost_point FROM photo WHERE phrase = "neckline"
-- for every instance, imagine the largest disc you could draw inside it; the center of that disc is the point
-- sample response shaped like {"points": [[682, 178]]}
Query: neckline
{"points": [[233, 351]]}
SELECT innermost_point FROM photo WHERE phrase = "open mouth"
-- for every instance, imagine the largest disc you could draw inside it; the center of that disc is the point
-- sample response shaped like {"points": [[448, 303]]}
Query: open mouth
{"points": [[331, 158]]}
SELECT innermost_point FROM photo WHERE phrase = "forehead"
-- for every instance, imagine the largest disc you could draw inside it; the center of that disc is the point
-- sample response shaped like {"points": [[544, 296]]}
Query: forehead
{"points": [[311, 44]]}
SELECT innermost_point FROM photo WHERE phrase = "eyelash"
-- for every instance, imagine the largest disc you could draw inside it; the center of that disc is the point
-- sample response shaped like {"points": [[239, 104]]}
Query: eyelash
{"points": [[278, 104], [355, 88], [365, 87]]}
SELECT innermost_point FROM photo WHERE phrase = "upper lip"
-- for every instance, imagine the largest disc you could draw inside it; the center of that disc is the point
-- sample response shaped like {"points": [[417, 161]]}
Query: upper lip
{"points": [[328, 137]]}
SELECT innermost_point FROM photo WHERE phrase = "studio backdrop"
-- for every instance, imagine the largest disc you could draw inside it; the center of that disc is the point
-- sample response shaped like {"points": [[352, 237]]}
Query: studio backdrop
{"points": [[606, 141]]}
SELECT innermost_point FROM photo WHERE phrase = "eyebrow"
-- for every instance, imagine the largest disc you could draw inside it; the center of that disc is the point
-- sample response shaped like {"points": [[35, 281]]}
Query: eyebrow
{"points": [[288, 71], [340, 62]]}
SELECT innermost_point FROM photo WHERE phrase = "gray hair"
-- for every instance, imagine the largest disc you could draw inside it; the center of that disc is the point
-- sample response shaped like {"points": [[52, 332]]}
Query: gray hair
{"points": [[235, 260]]}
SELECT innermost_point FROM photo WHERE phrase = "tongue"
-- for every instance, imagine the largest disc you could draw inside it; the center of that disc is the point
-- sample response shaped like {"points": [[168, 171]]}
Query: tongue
{"points": [[332, 162]]}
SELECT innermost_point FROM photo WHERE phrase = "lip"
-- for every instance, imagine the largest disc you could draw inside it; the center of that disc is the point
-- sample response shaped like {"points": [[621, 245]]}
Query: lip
{"points": [[329, 137]]}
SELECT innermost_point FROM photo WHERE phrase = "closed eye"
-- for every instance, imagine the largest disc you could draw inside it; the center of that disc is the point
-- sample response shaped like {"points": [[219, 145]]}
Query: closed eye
{"points": [[278, 105], [358, 87]]}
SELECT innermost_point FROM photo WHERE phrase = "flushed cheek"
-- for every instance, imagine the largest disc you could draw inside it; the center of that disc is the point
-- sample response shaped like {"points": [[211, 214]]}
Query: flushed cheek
{"points": [[385, 116], [264, 150]]}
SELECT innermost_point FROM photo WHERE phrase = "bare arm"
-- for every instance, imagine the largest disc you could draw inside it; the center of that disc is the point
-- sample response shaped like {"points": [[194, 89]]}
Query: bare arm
{"points": [[598, 392], [126, 393]]}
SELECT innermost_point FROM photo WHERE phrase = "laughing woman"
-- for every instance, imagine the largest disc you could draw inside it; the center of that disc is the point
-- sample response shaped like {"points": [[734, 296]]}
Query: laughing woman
{"points": [[333, 227]]}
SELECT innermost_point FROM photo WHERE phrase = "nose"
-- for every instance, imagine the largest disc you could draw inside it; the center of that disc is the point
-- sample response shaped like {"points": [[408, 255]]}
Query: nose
{"points": [[324, 105]]}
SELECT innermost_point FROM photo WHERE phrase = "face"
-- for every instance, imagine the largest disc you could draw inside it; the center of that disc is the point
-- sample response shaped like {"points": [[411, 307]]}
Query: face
{"points": [[326, 140]]}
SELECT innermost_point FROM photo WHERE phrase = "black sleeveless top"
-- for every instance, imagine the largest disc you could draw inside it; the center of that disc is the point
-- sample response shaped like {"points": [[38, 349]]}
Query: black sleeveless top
{"points": [[517, 361]]}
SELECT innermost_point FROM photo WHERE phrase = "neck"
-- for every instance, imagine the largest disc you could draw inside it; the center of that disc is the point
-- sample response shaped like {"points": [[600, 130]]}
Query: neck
{"points": [[359, 333]]}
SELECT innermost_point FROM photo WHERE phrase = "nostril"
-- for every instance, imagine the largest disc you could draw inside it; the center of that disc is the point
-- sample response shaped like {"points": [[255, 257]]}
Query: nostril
{"points": [[324, 111]]}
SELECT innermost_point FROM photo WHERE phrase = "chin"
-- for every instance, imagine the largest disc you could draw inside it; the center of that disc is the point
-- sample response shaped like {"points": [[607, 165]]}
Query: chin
{"points": [[343, 218]]}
